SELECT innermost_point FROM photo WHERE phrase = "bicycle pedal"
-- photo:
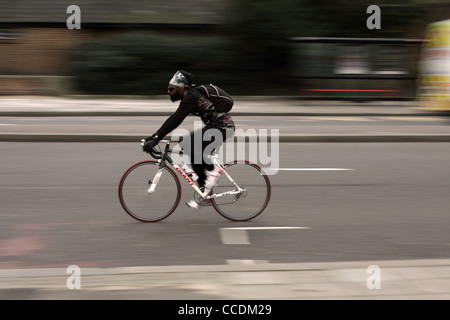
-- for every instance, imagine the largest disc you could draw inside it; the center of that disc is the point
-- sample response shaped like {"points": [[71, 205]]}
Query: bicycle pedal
{"points": [[193, 204], [202, 202]]}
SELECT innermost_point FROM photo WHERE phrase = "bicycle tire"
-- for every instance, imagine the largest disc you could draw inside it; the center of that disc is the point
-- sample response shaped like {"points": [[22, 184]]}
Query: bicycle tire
{"points": [[141, 205], [248, 206]]}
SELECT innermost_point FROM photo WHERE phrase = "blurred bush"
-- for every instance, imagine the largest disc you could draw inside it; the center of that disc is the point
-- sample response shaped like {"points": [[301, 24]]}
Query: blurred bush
{"points": [[142, 63]]}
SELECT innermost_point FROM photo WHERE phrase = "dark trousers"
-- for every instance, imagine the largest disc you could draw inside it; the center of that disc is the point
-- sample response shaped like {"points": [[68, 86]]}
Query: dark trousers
{"points": [[204, 142]]}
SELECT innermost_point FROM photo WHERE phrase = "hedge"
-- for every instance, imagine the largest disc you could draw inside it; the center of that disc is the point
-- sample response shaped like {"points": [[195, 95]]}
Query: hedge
{"points": [[142, 63]]}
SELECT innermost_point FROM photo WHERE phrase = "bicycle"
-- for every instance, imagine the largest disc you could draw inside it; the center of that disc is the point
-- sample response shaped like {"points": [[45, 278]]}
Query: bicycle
{"points": [[150, 191]]}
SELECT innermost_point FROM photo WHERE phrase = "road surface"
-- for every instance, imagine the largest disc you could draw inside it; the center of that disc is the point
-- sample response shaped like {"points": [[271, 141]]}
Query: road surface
{"points": [[347, 202]]}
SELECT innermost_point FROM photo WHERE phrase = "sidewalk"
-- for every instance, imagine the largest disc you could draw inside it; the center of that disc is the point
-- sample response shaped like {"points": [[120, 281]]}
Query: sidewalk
{"points": [[161, 106], [30, 106], [398, 280]]}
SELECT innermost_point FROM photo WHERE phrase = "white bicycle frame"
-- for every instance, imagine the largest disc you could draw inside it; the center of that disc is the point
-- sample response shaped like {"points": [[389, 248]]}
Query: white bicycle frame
{"points": [[205, 194]]}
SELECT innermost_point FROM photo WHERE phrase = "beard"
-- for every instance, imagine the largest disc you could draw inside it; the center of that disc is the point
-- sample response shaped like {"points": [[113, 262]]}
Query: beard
{"points": [[176, 97]]}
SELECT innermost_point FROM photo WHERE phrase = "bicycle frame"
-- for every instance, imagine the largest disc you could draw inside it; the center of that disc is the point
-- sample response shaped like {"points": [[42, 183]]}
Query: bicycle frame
{"points": [[205, 194]]}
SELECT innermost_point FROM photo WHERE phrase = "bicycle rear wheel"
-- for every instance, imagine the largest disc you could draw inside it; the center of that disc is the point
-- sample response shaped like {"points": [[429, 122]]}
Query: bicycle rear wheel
{"points": [[254, 198], [144, 206]]}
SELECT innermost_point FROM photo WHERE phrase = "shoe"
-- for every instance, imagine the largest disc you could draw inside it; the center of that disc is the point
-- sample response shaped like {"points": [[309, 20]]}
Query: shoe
{"points": [[200, 201], [212, 177], [193, 204]]}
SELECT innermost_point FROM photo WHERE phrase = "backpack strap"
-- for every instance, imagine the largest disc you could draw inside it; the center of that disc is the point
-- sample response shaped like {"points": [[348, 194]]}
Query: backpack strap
{"points": [[216, 88], [206, 90], [204, 103]]}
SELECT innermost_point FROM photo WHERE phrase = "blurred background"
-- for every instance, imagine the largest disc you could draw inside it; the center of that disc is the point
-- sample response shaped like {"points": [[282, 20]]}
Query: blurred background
{"points": [[374, 196], [303, 48]]}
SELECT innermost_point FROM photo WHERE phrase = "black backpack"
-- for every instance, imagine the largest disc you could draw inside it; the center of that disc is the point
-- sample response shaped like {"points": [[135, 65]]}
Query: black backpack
{"points": [[221, 100]]}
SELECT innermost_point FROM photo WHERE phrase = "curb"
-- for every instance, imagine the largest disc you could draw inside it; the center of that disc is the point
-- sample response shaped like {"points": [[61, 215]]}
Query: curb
{"points": [[297, 266], [240, 114], [400, 138]]}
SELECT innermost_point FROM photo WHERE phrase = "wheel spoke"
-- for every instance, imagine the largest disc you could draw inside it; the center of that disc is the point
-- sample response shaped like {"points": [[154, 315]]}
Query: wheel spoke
{"points": [[254, 198], [134, 193]]}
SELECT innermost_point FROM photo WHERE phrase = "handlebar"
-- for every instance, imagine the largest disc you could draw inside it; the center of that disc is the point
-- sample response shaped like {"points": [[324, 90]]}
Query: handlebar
{"points": [[155, 153]]}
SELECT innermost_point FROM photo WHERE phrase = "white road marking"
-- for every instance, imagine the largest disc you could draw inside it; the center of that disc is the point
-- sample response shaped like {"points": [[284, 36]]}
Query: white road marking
{"points": [[313, 169], [233, 236], [239, 235], [246, 262]]}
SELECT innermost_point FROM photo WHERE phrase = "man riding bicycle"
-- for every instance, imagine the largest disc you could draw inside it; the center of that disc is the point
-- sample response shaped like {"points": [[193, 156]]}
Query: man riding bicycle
{"points": [[211, 104]]}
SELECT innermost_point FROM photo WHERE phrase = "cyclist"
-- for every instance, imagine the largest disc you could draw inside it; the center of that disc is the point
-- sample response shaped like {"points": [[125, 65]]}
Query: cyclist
{"points": [[218, 125]]}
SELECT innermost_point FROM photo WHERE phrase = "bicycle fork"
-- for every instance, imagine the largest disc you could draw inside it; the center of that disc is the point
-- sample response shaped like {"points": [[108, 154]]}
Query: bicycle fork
{"points": [[155, 181]]}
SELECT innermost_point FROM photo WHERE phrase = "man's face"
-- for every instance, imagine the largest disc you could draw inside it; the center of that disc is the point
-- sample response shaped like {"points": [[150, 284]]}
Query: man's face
{"points": [[175, 93]]}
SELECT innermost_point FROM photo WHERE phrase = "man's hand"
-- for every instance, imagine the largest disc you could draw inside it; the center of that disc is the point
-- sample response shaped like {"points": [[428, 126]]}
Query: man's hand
{"points": [[149, 143]]}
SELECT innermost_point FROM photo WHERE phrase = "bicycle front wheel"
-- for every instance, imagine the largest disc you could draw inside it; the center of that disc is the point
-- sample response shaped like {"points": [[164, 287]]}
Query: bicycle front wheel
{"points": [[253, 198], [156, 205]]}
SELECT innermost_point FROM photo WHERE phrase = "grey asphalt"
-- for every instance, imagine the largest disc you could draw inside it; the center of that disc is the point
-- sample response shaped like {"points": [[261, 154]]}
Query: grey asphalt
{"points": [[398, 279]]}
